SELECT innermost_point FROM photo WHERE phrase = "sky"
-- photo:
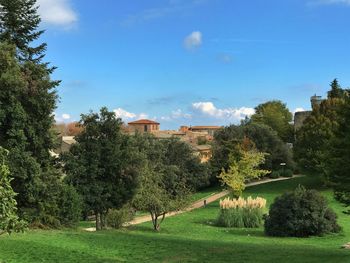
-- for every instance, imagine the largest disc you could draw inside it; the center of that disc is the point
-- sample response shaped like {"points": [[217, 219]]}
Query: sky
{"points": [[193, 62]]}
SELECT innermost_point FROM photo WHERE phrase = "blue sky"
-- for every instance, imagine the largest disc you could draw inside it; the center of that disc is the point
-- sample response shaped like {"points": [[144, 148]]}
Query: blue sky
{"points": [[191, 62]]}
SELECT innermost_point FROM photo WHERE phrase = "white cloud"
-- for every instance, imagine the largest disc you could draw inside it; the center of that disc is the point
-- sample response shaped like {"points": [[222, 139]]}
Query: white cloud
{"points": [[330, 2], [233, 114], [57, 12], [62, 118], [225, 58], [176, 115], [65, 116], [193, 41], [299, 110], [125, 115]]}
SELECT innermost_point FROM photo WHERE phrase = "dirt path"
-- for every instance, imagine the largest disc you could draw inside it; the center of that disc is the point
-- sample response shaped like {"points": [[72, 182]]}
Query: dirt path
{"points": [[199, 203]]}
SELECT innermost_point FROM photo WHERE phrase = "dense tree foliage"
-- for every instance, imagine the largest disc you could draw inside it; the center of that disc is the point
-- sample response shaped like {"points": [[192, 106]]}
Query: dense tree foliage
{"points": [[301, 213], [9, 221], [264, 139], [28, 99], [243, 168], [313, 139], [103, 165], [276, 115], [338, 161], [322, 143], [157, 195]]}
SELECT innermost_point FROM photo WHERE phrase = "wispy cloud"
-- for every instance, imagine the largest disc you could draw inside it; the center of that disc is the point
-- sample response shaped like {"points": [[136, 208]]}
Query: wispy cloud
{"points": [[250, 41], [193, 40], [57, 13], [170, 8], [225, 58]]}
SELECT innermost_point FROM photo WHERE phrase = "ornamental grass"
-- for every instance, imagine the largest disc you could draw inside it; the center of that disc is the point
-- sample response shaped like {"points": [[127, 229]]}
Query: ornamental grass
{"points": [[241, 213]]}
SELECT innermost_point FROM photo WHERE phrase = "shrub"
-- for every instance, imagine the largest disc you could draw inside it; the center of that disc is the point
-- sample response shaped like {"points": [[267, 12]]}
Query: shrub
{"points": [[286, 173], [301, 213], [275, 174], [70, 206], [241, 213], [117, 217]]}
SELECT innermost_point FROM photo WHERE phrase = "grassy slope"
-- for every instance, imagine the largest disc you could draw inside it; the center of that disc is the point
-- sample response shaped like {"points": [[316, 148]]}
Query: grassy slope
{"points": [[190, 237]]}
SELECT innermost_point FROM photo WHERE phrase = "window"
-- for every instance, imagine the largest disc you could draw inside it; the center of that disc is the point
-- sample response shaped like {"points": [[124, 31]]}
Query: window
{"points": [[145, 128]]}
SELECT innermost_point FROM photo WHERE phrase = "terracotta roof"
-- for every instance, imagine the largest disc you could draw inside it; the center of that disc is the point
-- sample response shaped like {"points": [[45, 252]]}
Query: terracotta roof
{"points": [[143, 122], [205, 127]]}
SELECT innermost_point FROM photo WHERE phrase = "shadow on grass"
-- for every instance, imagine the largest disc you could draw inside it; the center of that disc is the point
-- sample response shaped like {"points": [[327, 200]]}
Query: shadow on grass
{"points": [[146, 247]]}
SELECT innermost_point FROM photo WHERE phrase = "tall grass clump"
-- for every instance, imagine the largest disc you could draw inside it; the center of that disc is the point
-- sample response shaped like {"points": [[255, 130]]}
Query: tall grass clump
{"points": [[241, 213]]}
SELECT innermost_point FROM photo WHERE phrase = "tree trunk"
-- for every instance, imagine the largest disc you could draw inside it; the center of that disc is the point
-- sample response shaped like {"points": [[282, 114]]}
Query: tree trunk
{"points": [[98, 221], [155, 220], [103, 220]]}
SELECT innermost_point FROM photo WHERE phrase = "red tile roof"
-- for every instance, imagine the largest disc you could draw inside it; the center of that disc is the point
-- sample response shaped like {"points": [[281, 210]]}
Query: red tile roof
{"points": [[144, 122]]}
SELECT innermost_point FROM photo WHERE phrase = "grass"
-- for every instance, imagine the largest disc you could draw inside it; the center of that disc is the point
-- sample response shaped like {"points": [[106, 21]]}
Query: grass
{"points": [[189, 237]]}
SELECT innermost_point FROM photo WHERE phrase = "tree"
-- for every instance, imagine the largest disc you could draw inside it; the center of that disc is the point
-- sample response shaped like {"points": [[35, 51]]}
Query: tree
{"points": [[19, 22], [28, 100], [267, 140], [243, 169], [338, 153], [276, 115], [262, 136], [191, 170], [157, 196], [102, 166], [9, 221], [336, 91], [314, 137]]}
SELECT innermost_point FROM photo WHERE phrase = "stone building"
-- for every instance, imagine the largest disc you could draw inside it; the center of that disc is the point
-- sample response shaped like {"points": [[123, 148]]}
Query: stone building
{"points": [[143, 126], [301, 116]]}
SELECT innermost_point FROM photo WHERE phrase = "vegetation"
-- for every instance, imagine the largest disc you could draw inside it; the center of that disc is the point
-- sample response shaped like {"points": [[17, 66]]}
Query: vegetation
{"points": [[189, 237], [242, 169], [241, 213], [102, 165], [276, 115], [322, 142], [117, 217], [262, 136], [301, 213], [9, 221]]}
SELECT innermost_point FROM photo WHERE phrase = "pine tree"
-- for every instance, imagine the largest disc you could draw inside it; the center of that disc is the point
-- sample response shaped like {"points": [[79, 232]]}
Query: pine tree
{"points": [[336, 91], [27, 98]]}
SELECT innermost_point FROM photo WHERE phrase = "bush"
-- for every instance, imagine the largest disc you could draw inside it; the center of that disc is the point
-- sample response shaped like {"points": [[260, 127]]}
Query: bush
{"points": [[117, 217], [70, 206], [275, 174], [241, 213], [301, 213], [286, 173]]}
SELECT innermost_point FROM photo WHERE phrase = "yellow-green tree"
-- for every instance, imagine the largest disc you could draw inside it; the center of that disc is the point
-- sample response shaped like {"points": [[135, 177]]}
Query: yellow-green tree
{"points": [[242, 169]]}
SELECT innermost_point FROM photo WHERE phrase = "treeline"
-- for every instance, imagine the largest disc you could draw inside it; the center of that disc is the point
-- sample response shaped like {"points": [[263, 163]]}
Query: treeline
{"points": [[322, 145]]}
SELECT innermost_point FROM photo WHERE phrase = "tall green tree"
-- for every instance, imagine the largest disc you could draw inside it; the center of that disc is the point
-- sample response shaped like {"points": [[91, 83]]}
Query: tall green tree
{"points": [[313, 139], [276, 115], [27, 100], [338, 156], [9, 221], [102, 165]]}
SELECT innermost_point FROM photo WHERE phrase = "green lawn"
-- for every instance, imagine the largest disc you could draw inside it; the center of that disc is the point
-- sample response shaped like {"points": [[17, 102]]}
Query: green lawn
{"points": [[189, 237]]}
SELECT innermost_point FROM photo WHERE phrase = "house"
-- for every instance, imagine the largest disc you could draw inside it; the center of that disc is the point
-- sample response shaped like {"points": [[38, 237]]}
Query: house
{"points": [[210, 130], [204, 152], [143, 126]]}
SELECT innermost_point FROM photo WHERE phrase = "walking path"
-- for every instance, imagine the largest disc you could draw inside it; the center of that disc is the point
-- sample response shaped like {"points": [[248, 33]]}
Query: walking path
{"points": [[199, 203]]}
